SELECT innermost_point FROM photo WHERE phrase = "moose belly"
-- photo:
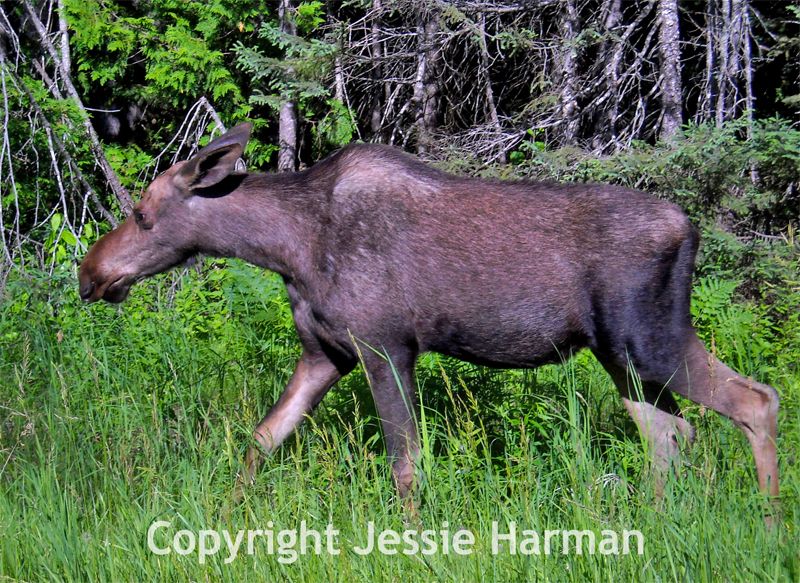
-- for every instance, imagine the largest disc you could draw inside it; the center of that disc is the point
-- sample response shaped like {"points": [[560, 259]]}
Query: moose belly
{"points": [[505, 338]]}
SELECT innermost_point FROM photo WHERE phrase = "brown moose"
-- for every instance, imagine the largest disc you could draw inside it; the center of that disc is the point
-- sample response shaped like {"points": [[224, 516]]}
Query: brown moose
{"points": [[376, 247]]}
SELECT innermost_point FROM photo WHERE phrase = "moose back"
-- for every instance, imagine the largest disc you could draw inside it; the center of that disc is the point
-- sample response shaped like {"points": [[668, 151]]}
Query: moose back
{"points": [[378, 249]]}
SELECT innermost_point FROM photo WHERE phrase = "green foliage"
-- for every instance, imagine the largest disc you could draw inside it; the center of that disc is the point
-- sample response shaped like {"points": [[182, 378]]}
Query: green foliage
{"points": [[309, 16], [294, 68], [102, 41], [183, 61], [182, 45], [39, 182], [334, 130], [739, 334], [62, 239], [713, 172], [159, 55], [162, 54], [127, 162]]}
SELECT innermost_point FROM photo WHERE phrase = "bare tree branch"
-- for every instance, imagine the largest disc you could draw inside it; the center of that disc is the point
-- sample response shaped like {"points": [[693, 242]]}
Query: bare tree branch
{"points": [[123, 197]]}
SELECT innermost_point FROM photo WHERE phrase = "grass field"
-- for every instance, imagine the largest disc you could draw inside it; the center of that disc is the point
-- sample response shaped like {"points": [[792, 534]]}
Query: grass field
{"points": [[114, 418]]}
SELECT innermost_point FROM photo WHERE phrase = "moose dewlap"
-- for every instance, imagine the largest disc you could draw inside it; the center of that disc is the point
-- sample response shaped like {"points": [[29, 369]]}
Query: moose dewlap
{"points": [[376, 247]]}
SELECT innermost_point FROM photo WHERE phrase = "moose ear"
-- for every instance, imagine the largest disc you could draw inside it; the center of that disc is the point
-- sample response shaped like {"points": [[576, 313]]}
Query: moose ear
{"points": [[216, 161]]}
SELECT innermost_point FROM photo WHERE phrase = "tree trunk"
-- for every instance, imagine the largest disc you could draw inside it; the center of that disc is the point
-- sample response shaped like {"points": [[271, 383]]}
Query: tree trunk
{"points": [[338, 89], [568, 101], [747, 58], [287, 120], [606, 127], [705, 107], [723, 44], [741, 67], [64, 32], [376, 56], [426, 87], [670, 54], [487, 82]]}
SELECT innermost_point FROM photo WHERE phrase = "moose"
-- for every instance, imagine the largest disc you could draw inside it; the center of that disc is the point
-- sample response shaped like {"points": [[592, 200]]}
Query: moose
{"points": [[385, 257]]}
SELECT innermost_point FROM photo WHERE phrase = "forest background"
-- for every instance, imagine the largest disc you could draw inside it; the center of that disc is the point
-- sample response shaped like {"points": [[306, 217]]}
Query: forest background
{"points": [[149, 405]]}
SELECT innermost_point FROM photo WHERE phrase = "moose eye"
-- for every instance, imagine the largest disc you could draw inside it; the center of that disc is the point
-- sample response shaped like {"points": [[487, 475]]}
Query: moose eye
{"points": [[140, 219]]}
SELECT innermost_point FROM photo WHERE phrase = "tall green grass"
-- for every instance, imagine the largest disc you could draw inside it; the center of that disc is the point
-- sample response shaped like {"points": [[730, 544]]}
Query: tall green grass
{"points": [[115, 417]]}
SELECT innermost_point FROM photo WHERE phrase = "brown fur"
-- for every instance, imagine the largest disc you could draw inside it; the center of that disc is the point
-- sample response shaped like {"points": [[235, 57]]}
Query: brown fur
{"points": [[376, 246]]}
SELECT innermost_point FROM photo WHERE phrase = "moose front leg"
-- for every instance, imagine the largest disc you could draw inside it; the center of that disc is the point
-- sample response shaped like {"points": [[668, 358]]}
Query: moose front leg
{"points": [[314, 376], [391, 379]]}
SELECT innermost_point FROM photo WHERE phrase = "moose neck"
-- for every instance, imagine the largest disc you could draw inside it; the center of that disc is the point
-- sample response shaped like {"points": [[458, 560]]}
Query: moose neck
{"points": [[264, 219]]}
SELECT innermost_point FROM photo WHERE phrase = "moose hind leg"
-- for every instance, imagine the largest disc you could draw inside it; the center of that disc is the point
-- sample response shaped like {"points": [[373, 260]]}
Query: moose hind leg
{"points": [[752, 406], [667, 436], [658, 418]]}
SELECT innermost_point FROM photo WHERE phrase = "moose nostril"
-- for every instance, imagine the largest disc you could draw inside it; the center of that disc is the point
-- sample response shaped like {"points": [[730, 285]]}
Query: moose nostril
{"points": [[87, 290]]}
